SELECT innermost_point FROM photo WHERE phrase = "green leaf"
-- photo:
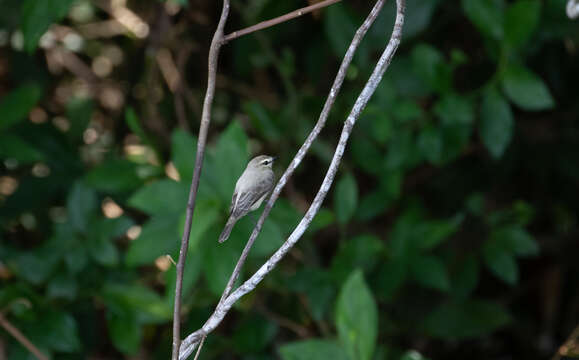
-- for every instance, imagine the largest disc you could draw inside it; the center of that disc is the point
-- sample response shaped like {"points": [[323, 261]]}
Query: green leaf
{"points": [[391, 276], [402, 152], [253, 335], [62, 286], [323, 219], [496, 126], [486, 15], [454, 109], [366, 155], [183, 151], [76, 257], [516, 240], [54, 330], [262, 121], [417, 18], [16, 105], [160, 197], [430, 234], [430, 272], [431, 144], [469, 319], [526, 89], [79, 112], [363, 252], [218, 262], [146, 304], [206, 214], [521, 20], [14, 147], [268, 241], [313, 350], [406, 111], [501, 263], [339, 27], [231, 159], [190, 276], [159, 236], [100, 245], [465, 278], [357, 318], [125, 332], [81, 206], [345, 198], [37, 16], [132, 121], [429, 64], [317, 285], [114, 176]]}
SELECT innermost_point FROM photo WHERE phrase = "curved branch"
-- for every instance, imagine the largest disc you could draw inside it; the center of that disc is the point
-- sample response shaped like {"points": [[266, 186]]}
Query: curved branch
{"points": [[192, 340], [203, 128], [334, 90], [573, 9]]}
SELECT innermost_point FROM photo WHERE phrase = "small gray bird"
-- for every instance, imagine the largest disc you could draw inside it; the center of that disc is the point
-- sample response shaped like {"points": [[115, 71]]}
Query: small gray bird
{"points": [[251, 189]]}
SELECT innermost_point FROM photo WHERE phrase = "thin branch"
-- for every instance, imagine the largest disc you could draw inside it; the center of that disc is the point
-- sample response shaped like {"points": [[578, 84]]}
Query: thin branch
{"points": [[573, 9], [192, 340], [202, 140], [269, 23], [200, 347], [12, 330]]}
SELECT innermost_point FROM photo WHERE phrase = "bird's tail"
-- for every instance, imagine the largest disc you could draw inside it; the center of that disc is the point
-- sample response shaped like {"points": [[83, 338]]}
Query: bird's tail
{"points": [[227, 229]]}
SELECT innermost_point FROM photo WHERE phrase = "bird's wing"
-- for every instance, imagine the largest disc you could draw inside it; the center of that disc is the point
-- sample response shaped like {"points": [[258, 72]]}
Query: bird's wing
{"points": [[233, 201], [248, 197]]}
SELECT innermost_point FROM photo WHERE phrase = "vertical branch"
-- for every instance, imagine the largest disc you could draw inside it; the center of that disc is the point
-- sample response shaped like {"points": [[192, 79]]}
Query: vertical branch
{"points": [[202, 140], [192, 340], [334, 90]]}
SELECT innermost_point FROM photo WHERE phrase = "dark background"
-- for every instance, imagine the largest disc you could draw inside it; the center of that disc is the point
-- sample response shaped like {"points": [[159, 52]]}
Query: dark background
{"points": [[450, 232]]}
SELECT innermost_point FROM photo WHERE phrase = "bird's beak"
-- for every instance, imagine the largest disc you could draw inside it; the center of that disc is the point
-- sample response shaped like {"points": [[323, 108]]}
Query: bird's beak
{"points": [[274, 158]]}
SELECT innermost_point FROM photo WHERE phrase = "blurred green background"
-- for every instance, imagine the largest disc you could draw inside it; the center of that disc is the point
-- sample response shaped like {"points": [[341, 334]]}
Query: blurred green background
{"points": [[450, 233]]}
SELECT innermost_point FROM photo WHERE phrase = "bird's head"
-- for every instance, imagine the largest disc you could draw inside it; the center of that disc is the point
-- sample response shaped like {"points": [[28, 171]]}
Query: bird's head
{"points": [[262, 162]]}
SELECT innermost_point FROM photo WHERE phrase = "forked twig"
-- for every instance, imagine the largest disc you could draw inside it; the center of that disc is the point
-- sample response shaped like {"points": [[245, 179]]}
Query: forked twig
{"points": [[278, 20], [189, 344]]}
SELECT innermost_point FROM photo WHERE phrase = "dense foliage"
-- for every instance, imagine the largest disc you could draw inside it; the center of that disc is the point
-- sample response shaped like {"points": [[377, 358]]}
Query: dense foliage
{"points": [[450, 233]]}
